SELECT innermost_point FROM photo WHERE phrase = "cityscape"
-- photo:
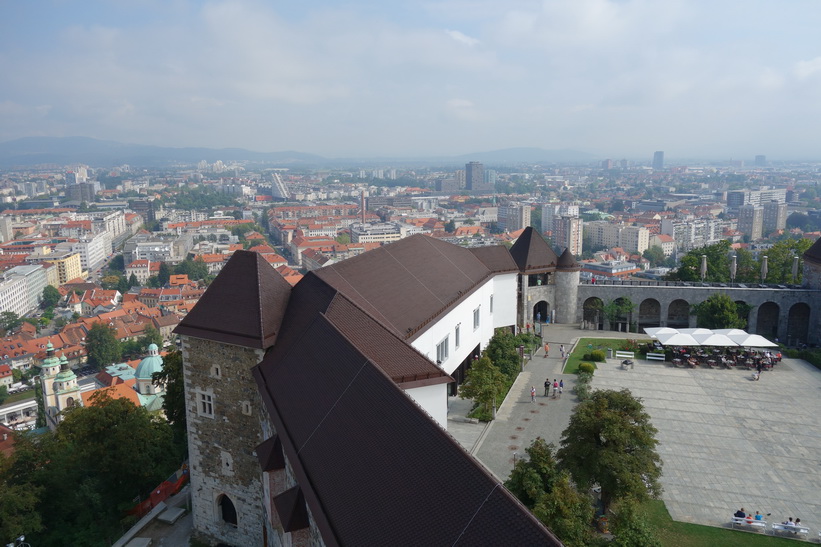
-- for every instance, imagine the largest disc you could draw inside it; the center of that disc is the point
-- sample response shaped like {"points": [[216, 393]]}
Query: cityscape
{"points": [[534, 273]]}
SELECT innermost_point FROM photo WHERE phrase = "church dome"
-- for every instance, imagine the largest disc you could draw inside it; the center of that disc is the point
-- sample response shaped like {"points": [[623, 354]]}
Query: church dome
{"points": [[151, 364]]}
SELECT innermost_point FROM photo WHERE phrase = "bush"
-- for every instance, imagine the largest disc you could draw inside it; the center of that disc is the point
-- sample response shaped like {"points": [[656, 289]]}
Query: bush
{"points": [[582, 391], [586, 368], [597, 355], [631, 345]]}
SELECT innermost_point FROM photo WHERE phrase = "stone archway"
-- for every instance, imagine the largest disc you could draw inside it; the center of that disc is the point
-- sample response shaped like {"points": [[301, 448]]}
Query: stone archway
{"points": [[678, 314], [541, 312], [767, 322], [649, 313], [227, 511], [592, 313], [798, 324]]}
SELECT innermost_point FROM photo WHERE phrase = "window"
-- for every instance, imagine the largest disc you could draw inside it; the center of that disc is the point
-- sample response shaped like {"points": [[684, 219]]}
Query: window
{"points": [[457, 337], [227, 510], [476, 318], [491, 303], [206, 405], [442, 351], [246, 408], [215, 372]]}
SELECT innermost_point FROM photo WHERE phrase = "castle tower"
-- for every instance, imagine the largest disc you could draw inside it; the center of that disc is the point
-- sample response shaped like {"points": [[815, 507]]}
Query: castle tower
{"points": [[537, 282], [567, 288], [223, 337], [812, 266]]}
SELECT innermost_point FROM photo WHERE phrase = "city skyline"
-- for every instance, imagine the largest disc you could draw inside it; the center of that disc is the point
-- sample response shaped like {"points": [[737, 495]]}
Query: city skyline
{"points": [[611, 78]]}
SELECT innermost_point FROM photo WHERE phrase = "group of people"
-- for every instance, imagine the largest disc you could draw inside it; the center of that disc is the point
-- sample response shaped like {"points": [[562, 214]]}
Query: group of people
{"points": [[562, 351], [558, 388], [749, 517], [729, 358]]}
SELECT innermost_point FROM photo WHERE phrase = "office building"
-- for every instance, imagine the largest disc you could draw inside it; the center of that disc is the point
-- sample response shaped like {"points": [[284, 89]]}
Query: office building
{"points": [[568, 233], [658, 160], [475, 177], [761, 160], [514, 216], [751, 221], [36, 281], [775, 217]]}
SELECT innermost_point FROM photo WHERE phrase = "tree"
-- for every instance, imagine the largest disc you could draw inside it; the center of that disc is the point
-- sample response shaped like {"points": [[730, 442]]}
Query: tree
{"points": [[655, 255], [780, 260], [611, 442], [81, 468], [51, 297], [484, 383], [503, 352], [151, 336], [718, 265], [10, 320], [18, 504], [132, 281], [631, 527], [550, 494], [102, 346], [450, 226], [344, 238], [171, 377], [194, 269], [153, 282], [719, 311], [4, 394], [164, 274], [117, 263], [618, 309]]}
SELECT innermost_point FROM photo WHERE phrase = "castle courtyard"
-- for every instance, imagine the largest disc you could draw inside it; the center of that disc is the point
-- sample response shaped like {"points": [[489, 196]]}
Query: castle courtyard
{"points": [[726, 441]]}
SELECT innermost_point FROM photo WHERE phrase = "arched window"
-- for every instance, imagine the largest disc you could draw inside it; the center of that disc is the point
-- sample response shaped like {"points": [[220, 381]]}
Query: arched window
{"points": [[227, 510]]}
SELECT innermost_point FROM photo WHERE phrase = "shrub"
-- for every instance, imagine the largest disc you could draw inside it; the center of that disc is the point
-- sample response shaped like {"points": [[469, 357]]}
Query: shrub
{"points": [[631, 345], [582, 391], [597, 355], [586, 368]]}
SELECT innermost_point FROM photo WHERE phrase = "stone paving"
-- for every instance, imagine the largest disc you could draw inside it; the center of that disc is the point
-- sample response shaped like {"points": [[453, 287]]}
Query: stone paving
{"points": [[726, 441]]}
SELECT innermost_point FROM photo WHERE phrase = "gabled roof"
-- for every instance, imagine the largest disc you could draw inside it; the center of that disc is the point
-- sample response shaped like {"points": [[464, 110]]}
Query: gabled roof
{"points": [[813, 254], [401, 467], [405, 284], [496, 257], [532, 254], [244, 304]]}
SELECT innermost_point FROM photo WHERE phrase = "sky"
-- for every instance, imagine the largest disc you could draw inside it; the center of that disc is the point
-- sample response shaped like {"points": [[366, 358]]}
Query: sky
{"points": [[615, 78]]}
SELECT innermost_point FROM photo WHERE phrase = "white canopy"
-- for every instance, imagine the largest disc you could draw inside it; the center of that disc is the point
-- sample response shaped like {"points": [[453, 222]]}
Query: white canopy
{"points": [[752, 341], [706, 337]]}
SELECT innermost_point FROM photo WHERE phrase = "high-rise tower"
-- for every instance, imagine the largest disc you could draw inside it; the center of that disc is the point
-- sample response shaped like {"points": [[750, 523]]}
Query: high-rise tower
{"points": [[658, 160]]}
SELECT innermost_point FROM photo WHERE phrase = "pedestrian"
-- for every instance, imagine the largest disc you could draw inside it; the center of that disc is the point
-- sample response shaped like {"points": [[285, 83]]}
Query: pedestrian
{"points": [[561, 350], [538, 317], [555, 387], [527, 325], [532, 394], [561, 386], [546, 387], [546, 349]]}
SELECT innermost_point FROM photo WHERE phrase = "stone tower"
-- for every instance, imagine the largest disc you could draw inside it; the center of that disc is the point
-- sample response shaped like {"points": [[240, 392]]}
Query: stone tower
{"points": [[223, 337], [60, 388], [537, 277], [567, 288], [812, 266]]}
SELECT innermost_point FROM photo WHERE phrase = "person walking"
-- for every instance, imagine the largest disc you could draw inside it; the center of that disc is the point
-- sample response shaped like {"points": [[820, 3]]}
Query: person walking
{"points": [[546, 349], [555, 387], [561, 387], [532, 394], [546, 387], [561, 350]]}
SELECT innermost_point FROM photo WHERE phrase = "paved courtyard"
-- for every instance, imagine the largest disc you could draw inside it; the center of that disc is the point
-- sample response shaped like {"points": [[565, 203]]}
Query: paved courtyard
{"points": [[729, 442], [726, 441]]}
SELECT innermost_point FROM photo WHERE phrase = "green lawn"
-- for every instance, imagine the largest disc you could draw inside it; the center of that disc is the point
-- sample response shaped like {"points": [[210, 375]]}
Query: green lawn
{"points": [[17, 397], [680, 534], [584, 346]]}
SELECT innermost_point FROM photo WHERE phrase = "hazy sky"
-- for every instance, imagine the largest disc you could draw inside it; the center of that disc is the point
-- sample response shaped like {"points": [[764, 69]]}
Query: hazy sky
{"points": [[617, 78]]}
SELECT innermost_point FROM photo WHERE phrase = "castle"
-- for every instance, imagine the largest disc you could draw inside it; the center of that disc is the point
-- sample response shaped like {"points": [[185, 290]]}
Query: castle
{"points": [[316, 413]]}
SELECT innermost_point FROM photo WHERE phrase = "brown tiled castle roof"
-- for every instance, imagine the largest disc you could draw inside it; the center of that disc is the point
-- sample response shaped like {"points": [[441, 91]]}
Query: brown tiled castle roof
{"points": [[567, 262], [496, 257], [244, 305], [532, 254], [397, 478], [813, 254]]}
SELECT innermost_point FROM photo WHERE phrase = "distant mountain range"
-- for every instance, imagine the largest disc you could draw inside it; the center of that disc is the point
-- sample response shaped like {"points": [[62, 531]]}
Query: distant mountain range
{"points": [[31, 151]]}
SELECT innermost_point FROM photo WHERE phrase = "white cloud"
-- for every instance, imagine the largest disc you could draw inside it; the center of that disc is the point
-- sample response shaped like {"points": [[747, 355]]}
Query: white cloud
{"points": [[462, 38]]}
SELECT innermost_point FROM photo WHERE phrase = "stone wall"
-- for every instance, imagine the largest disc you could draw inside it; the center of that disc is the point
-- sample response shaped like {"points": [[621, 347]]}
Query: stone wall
{"points": [[221, 445]]}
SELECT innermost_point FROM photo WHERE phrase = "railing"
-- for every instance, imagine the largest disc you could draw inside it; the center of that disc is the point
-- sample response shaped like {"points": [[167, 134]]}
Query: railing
{"points": [[654, 283]]}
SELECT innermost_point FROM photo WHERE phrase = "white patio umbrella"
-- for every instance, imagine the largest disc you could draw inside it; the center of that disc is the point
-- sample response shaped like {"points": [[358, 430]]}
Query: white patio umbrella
{"points": [[653, 332], [677, 339], [713, 339], [752, 341]]}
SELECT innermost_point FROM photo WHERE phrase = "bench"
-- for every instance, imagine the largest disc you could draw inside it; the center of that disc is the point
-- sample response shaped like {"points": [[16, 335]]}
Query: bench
{"points": [[625, 355], [656, 357], [754, 524], [803, 530]]}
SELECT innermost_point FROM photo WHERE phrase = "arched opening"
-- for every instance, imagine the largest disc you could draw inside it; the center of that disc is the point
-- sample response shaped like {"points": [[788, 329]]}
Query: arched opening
{"points": [[541, 312], [228, 512], [767, 322], [649, 313], [678, 314], [798, 323], [593, 316], [70, 402]]}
